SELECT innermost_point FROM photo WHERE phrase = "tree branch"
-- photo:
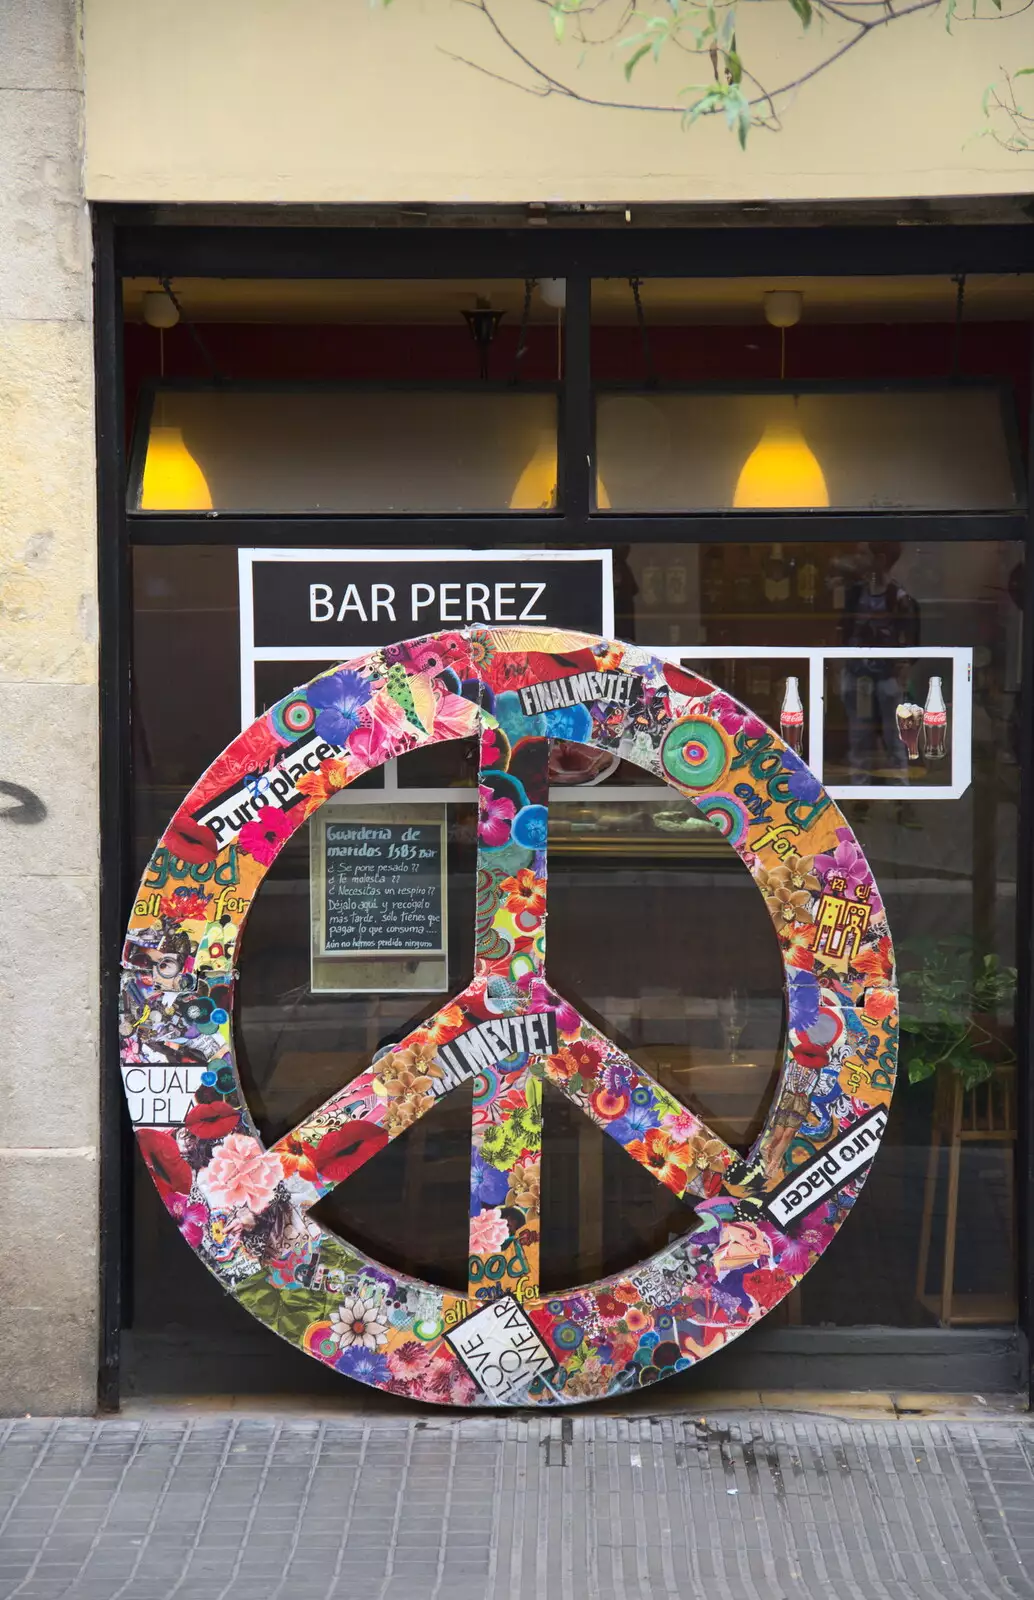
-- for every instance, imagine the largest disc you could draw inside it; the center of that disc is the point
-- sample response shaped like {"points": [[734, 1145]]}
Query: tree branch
{"points": [[735, 91]]}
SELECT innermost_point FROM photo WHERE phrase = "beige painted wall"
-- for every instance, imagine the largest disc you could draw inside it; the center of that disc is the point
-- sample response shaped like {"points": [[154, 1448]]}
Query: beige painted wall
{"points": [[335, 101]]}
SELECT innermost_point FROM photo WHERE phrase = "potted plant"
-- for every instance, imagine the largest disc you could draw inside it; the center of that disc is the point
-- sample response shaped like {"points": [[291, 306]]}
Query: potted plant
{"points": [[949, 1015]]}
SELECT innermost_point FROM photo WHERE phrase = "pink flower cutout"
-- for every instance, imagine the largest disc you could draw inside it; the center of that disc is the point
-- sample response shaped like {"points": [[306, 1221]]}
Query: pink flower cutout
{"points": [[495, 814], [191, 1218], [241, 1173], [263, 837], [735, 718], [454, 715], [383, 735], [489, 1231], [541, 998]]}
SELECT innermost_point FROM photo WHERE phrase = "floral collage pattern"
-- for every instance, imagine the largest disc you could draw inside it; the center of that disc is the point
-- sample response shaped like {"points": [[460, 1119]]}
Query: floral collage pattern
{"points": [[758, 1222]]}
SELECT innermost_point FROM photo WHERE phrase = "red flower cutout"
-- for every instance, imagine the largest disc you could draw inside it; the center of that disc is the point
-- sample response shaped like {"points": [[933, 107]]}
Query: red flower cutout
{"points": [[263, 837], [165, 1160], [767, 1285]]}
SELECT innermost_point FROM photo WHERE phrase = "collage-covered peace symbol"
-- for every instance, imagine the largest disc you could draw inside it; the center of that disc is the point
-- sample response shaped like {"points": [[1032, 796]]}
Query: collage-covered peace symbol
{"points": [[755, 1222]]}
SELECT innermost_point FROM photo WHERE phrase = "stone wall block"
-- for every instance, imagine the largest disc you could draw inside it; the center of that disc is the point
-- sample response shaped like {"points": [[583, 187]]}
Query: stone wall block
{"points": [[48, 505], [48, 1282], [49, 832], [39, 45], [43, 220], [48, 745], [49, 1005]]}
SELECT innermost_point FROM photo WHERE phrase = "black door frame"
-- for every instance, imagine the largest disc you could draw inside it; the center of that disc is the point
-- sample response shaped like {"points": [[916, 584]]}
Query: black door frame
{"points": [[129, 242]]}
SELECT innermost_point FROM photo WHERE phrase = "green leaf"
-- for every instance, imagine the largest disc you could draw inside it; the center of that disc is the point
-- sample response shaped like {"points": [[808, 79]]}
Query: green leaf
{"points": [[949, 15], [973, 1069], [919, 1068], [630, 64], [803, 10], [710, 101]]}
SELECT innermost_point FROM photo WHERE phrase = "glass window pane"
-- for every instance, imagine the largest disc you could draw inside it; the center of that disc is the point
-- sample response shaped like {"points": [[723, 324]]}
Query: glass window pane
{"points": [[946, 868], [944, 448], [656, 932], [347, 450]]}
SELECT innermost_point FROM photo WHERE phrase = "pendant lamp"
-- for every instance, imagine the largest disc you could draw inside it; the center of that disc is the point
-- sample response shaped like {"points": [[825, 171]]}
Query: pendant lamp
{"points": [[782, 472], [172, 479], [536, 488]]}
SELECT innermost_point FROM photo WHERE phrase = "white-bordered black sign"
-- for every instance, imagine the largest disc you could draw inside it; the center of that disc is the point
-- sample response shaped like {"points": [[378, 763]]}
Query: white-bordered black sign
{"points": [[327, 605]]}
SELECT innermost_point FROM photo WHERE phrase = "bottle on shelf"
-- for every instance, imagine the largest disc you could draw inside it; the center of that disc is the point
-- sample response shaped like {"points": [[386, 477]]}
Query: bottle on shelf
{"points": [[791, 717], [776, 576], [807, 582], [714, 579], [935, 723], [743, 580], [650, 588], [676, 583]]}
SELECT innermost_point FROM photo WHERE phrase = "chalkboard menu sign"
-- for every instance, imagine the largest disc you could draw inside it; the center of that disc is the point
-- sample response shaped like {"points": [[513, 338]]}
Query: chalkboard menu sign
{"points": [[384, 888]]}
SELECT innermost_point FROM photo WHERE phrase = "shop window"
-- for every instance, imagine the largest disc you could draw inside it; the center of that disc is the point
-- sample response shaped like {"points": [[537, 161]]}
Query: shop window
{"points": [[808, 448], [654, 929], [323, 449]]}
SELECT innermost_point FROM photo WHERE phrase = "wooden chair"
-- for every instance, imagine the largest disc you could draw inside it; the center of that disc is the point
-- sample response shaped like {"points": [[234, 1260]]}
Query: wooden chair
{"points": [[984, 1115]]}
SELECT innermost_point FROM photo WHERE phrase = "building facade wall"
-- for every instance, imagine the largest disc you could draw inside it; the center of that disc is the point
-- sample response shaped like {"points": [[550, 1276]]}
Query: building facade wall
{"points": [[48, 725], [423, 102]]}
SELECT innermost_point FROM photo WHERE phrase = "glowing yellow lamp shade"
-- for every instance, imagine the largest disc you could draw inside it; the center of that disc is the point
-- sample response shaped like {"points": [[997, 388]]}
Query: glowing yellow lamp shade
{"points": [[781, 471], [536, 486], [535, 489], [173, 481]]}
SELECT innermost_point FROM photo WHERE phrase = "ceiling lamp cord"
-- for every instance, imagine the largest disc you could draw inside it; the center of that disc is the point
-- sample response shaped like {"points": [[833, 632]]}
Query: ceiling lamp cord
{"points": [[959, 280], [206, 354], [522, 337], [636, 284]]}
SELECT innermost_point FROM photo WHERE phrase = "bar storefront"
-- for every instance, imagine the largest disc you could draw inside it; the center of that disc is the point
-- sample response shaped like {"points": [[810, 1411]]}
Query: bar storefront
{"points": [[710, 584]]}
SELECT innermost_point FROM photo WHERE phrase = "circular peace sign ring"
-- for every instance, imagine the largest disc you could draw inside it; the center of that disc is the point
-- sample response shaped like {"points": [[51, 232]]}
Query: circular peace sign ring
{"points": [[757, 1222]]}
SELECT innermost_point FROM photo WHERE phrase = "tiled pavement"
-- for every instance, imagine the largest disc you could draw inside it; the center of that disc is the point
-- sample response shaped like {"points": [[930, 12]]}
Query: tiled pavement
{"points": [[740, 1506]]}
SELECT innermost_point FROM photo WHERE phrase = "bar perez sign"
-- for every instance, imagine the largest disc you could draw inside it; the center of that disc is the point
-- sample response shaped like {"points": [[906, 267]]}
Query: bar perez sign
{"points": [[325, 605]]}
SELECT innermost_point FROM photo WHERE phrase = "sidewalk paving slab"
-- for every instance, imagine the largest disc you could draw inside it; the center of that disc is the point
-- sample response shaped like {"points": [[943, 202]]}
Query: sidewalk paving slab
{"points": [[878, 1502]]}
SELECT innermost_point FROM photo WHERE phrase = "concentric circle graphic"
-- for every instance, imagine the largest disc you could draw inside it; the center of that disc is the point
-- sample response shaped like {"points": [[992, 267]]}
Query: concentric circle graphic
{"points": [[292, 717], [696, 753], [729, 815], [756, 1220]]}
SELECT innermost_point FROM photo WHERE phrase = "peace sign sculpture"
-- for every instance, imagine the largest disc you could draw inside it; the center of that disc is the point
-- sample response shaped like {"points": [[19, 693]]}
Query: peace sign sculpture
{"points": [[758, 1221]]}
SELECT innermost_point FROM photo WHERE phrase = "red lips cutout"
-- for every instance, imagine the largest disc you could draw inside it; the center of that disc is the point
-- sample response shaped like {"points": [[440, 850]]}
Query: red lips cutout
{"points": [[212, 1120], [341, 1151], [190, 840], [685, 682]]}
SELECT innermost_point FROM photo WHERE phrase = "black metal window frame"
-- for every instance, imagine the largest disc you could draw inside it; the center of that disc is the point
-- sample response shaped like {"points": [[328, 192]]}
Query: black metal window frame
{"points": [[129, 243]]}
